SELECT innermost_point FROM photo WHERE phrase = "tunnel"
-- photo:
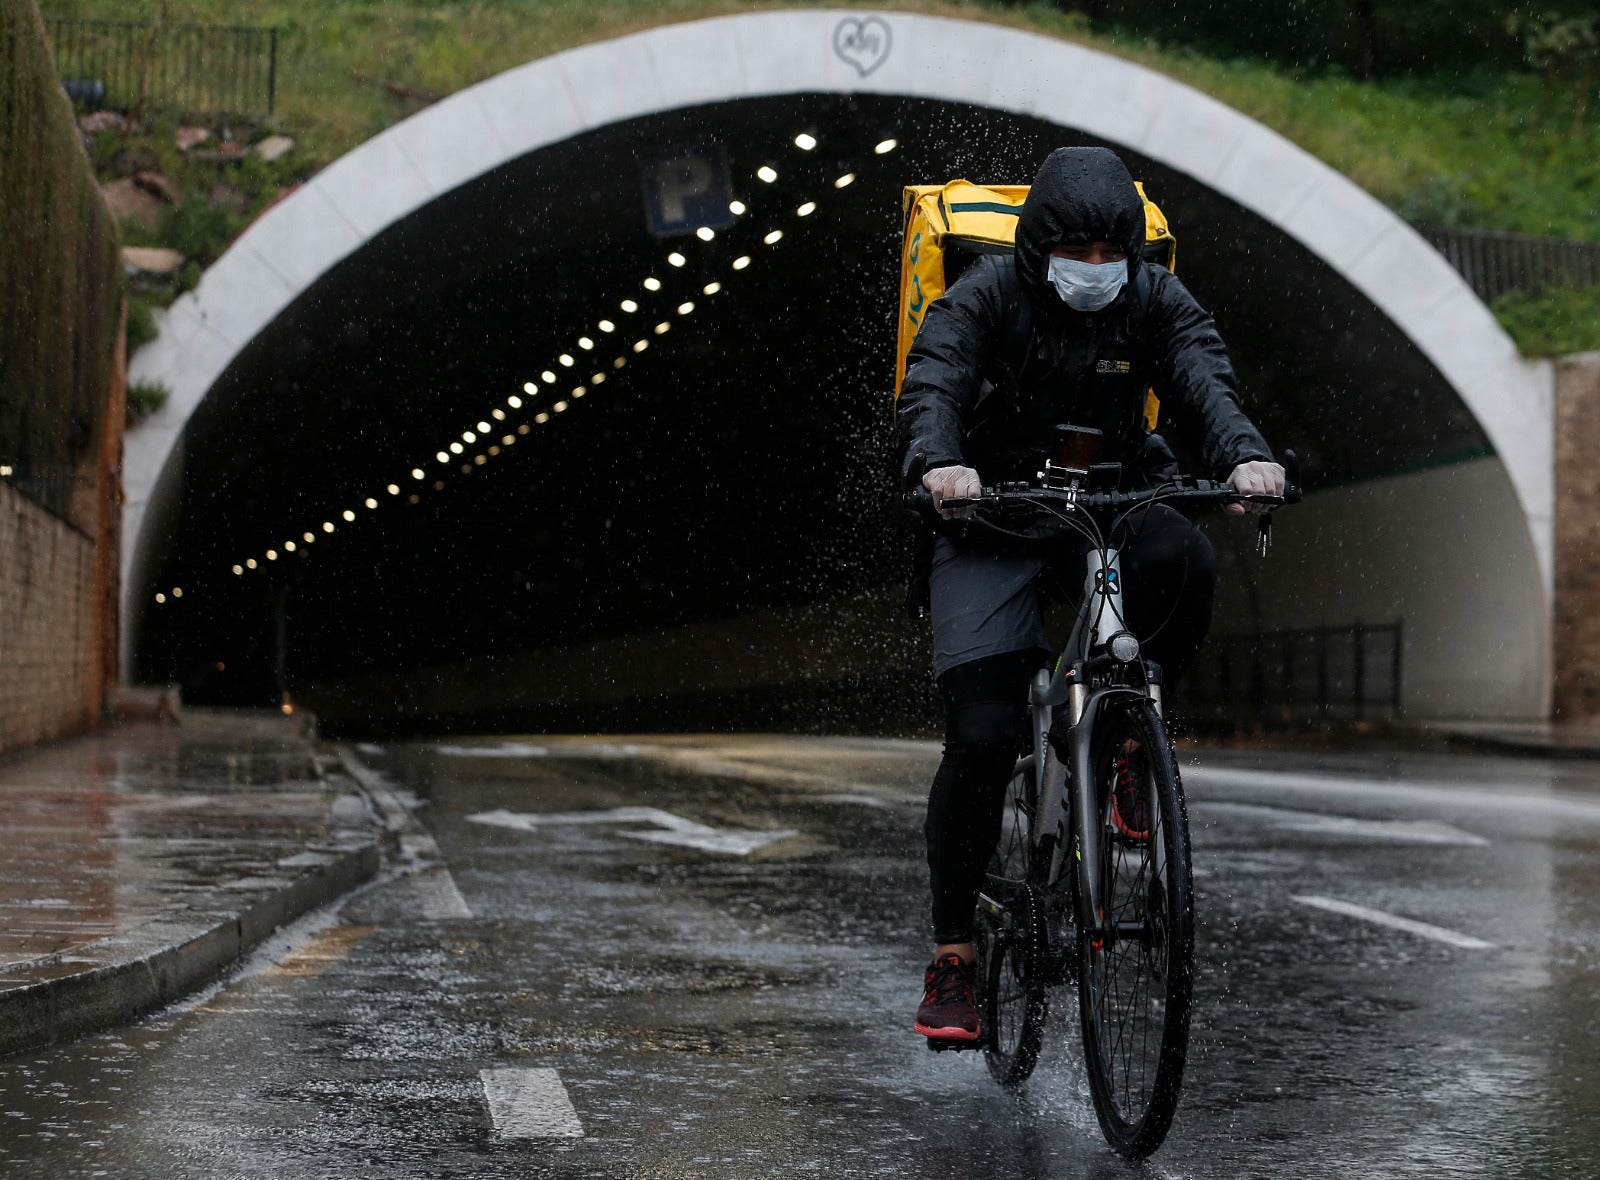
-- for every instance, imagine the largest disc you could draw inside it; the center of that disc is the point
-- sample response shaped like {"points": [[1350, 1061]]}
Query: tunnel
{"points": [[598, 431]]}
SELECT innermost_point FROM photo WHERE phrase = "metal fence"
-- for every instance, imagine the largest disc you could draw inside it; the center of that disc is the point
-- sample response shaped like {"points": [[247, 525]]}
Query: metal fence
{"points": [[1493, 262], [1326, 673], [188, 69]]}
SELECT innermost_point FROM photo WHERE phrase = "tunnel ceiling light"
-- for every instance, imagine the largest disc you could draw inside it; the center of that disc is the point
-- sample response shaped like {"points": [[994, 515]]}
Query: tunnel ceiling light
{"points": [[272, 555], [514, 402], [483, 427], [541, 419], [887, 146], [438, 485], [652, 284], [598, 379], [370, 503], [737, 208], [416, 473], [773, 238], [845, 181], [741, 262], [685, 308], [566, 360], [548, 376], [160, 597], [585, 343], [767, 173], [413, 499], [805, 142], [497, 414], [455, 449], [676, 259], [393, 489], [327, 526], [524, 428], [466, 469], [663, 328], [629, 306], [578, 391], [468, 437], [640, 345], [710, 288], [442, 457], [606, 326], [705, 233], [238, 569], [619, 363], [507, 439], [177, 592], [559, 407], [529, 388], [479, 460], [806, 210], [251, 563], [494, 450], [310, 537], [348, 515], [289, 546]]}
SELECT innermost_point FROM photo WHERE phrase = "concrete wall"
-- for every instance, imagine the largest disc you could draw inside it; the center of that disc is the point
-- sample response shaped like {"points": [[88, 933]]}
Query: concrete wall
{"points": [[1446, 551]]}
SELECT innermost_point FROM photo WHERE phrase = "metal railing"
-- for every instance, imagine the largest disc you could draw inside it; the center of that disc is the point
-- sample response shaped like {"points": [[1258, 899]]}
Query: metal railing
{"points": [[1494, 262], [189, 69], [1328, 673]]}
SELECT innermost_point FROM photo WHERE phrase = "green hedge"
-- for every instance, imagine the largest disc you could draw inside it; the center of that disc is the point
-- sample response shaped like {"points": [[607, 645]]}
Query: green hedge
{"points": [[60, 291]]}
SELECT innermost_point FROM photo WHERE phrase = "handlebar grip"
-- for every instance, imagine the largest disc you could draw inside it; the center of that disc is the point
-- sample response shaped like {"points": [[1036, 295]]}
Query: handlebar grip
{"points": [[1291, 477]]}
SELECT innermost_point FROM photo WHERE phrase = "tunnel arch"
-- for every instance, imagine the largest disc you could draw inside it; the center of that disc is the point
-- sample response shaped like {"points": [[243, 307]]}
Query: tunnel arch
{"points": [[400, 172]]}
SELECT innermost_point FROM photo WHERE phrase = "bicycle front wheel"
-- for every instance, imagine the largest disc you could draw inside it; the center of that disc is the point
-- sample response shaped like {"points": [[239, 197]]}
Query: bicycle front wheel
{"points": [[1137, 974], [1008, 932]]}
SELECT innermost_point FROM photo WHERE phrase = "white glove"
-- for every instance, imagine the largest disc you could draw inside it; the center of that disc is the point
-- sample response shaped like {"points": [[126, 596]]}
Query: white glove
{"points": [[1255, 478], [948, 483]]}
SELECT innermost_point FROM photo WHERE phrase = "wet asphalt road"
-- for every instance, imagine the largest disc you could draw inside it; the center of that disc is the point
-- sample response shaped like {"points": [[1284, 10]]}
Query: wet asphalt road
{"points": [[701, 1013]]}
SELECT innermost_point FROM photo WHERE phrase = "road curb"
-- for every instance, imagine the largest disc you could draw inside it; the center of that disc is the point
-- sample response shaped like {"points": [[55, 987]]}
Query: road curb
{"points": [[120, 979]]}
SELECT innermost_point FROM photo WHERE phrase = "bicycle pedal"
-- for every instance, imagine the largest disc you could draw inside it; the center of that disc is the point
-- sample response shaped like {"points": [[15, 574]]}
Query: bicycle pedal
{"points": [[939, 1046]]}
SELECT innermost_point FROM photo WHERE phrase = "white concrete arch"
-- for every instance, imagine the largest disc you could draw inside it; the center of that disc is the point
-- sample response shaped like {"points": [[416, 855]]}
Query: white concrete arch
{"points": [[820, 51]]}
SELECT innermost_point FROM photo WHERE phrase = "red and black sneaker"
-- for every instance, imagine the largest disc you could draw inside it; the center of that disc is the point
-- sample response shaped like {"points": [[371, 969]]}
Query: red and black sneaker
{"points": [[1130, 811], [949, 1010]]}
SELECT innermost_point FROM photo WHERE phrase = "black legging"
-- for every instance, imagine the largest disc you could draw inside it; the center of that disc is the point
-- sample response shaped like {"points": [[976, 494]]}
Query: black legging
{"points": [[1171, 574]]}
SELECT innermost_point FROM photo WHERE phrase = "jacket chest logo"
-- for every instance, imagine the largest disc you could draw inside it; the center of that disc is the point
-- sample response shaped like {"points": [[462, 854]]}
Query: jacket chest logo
{"points": [[1113, 366]]}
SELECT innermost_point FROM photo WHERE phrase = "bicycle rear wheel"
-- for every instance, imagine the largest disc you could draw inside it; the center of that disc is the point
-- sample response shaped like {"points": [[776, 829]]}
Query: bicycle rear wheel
{"points": [[1007, 932], [1136, 980]]}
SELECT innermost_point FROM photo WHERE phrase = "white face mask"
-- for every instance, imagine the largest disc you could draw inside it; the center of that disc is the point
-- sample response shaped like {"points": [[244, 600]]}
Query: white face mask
{"points": [[1086, 286]]}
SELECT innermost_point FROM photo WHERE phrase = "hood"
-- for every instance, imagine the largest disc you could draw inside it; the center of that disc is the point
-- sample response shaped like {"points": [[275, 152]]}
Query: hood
{"points": [[1082, 194]]}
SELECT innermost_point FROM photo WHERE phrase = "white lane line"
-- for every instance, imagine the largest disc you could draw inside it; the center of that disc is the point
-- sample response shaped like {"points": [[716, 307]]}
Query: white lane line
{"points": [[529, 1104], [1402, 830], [437, 896], [1394, 921], [680, 831]]}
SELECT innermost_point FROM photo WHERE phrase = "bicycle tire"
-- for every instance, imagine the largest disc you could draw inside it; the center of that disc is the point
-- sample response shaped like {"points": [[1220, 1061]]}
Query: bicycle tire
{"points": [[1011, 995], [1136, 985]]}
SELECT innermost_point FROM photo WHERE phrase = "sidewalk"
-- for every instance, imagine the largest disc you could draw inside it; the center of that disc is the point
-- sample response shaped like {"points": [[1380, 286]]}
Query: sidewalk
{"points": [[141, 861]]}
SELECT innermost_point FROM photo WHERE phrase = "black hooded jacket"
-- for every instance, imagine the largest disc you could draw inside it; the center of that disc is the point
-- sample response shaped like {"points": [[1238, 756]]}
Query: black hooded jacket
{"points": [[988, 379]]}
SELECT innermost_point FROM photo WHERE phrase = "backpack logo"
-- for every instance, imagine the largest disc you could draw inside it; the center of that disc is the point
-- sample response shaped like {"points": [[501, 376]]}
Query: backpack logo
{"points": [[1113, 367]]}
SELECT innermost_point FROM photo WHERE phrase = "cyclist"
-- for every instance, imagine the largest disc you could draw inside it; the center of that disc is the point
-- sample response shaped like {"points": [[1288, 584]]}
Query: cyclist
{"points": [[1070, 328]]}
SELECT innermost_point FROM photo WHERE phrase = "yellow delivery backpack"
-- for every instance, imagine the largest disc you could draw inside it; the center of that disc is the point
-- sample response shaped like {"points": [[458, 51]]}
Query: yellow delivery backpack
{"points": [[949, 225]]}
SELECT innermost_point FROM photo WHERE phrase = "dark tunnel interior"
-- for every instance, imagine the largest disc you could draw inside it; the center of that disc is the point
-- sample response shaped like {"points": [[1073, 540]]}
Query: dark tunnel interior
{"points": [[739, 461]]}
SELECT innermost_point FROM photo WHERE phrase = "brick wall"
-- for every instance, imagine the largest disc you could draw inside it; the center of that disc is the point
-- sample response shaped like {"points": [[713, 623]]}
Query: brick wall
{"points": [[51, 679], [1577, 614]]}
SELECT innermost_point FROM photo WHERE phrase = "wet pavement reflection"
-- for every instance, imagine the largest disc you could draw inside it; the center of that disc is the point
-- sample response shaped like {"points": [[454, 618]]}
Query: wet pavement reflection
{"points": [[705, 1014]]}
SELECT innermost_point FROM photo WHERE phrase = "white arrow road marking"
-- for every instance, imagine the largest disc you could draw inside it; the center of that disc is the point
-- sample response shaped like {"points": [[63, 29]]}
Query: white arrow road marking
{"points": [[529, 1104], [678, 830], [1406, 831], [1378, 917]]}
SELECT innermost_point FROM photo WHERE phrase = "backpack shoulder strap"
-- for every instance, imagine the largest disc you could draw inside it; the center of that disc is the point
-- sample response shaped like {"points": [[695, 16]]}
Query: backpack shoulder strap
{"points": [[1017, 316]]}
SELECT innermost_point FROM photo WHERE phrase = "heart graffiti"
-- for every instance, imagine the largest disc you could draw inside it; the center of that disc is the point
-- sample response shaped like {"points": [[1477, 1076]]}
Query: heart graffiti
{"points": [[862, 43]]}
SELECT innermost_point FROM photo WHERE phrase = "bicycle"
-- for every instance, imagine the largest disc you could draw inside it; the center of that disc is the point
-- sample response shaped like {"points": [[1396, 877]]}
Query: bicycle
{"points": [[1091, 882]]}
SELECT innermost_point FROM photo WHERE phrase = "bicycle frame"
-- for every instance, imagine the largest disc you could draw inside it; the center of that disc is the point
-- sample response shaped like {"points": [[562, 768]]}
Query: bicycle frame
{"points": [[1099, 618]]}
